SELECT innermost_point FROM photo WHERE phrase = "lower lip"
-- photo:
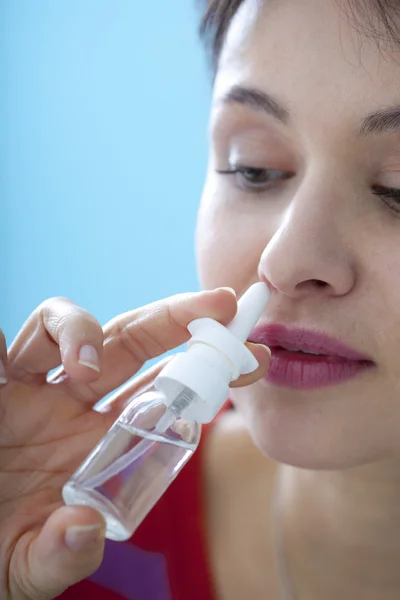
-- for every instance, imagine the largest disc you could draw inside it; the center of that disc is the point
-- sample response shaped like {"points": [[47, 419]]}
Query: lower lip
{"points": [[303, 371]]}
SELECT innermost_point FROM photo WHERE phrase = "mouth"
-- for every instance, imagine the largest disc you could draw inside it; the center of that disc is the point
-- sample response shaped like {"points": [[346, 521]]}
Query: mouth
{"points": [[305, 359]]}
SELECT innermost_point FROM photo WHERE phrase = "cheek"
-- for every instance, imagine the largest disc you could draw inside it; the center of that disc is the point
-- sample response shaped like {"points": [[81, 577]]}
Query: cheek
{"points": [[379, 299], [228, 248], [387, 321], [217, 252]]}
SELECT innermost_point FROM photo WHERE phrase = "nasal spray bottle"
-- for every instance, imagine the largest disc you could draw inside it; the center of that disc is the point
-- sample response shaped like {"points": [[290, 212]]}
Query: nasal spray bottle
{"points": [[157, 433]]}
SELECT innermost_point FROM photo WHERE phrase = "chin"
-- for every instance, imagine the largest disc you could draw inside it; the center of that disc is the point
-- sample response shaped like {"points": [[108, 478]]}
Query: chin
{"points": [[314, 431]]}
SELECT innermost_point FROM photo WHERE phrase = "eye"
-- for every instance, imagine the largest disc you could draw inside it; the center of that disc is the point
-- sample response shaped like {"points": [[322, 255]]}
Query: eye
{"points": [[256, 178], [390, 195]]}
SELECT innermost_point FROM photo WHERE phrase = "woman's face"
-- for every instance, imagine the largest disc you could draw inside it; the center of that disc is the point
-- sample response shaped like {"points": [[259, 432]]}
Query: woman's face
{"points": [[310, 105]]}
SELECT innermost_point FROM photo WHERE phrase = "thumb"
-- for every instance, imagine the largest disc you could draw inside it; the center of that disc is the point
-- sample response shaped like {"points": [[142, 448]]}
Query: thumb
{"points": [[68, 548]]}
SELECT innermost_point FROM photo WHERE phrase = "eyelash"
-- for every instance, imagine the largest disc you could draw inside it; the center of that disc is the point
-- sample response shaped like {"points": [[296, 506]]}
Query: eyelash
{"points": [[243, 175], [390, 195]]}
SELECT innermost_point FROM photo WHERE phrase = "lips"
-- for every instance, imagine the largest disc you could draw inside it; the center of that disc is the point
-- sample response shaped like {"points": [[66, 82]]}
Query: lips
{"points": [[304, 359]]}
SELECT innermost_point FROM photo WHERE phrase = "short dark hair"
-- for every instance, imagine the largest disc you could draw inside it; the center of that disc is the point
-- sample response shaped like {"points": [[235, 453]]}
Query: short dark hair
{"points": [[365, 14]]}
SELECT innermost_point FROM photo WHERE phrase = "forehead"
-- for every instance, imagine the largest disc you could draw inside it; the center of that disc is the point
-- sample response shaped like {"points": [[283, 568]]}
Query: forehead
{"points": [[310, 54]]}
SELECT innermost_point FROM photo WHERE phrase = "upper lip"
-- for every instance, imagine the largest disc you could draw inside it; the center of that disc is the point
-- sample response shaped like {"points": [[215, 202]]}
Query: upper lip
{"points": [[275, 335]]}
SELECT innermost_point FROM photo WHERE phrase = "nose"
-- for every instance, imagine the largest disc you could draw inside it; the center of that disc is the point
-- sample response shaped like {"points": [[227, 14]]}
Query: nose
{"points": [[309, 253]]}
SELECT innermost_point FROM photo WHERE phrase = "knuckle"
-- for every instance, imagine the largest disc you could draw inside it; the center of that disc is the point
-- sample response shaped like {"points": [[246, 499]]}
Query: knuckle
{"points": [[50, 304], [140, 342], [60, 313]]}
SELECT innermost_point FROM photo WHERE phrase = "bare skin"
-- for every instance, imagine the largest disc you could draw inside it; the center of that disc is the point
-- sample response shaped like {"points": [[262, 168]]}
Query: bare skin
{"points": [[338, 447], [239, 485], [47, 429], [321, 558]]}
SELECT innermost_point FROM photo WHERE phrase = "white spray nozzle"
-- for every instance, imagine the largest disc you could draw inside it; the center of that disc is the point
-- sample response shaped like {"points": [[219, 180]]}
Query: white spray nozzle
{"points": [[250, 307], [215, 356]]}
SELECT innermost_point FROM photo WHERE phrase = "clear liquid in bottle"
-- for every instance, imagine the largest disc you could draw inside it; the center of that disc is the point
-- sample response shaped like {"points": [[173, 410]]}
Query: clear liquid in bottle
{"points": [[133, 465]]}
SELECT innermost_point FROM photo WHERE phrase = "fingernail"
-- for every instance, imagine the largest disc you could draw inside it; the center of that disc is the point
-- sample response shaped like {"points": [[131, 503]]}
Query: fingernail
{"points": [[228, 289], [88, 357], [3, 378], [77, 537]]}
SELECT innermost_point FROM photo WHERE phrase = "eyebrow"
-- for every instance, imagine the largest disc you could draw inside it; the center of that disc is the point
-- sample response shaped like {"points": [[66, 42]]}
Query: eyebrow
{"points": [[376, 123], [258, 100], [381, 121]]}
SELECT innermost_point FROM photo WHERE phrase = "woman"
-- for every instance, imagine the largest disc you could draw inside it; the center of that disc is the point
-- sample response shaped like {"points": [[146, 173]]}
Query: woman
{"points": [[300, 485]]}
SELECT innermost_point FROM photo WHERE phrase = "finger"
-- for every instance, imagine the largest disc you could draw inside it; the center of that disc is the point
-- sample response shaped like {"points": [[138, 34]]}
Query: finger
{"points": [[263, 356], [3, 359], [58, 331], [68, 548], [135, 337]]}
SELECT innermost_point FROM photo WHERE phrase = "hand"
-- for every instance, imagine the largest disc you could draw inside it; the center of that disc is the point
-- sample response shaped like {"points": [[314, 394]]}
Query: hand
{"points": [[48, 427]]}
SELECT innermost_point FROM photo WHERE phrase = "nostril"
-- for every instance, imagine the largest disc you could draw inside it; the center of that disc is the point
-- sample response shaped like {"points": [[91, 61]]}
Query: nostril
{"points": [[319, 283]]}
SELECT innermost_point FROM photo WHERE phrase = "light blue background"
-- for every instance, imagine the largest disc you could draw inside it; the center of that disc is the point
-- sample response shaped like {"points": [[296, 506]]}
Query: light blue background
{"points": [[103, 118]]}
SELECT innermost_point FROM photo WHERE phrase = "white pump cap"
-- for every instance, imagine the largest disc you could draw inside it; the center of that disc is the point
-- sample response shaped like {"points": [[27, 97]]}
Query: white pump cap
{"points": [[215, 356]]}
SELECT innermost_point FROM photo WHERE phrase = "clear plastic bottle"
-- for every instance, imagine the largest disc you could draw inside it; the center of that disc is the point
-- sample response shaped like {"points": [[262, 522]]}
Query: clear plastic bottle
{"points": [[157, 433], [135, 462]]}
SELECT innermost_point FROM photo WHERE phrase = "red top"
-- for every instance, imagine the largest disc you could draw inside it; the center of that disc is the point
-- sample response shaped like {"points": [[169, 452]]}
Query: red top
{"points": [[166, 558]]}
